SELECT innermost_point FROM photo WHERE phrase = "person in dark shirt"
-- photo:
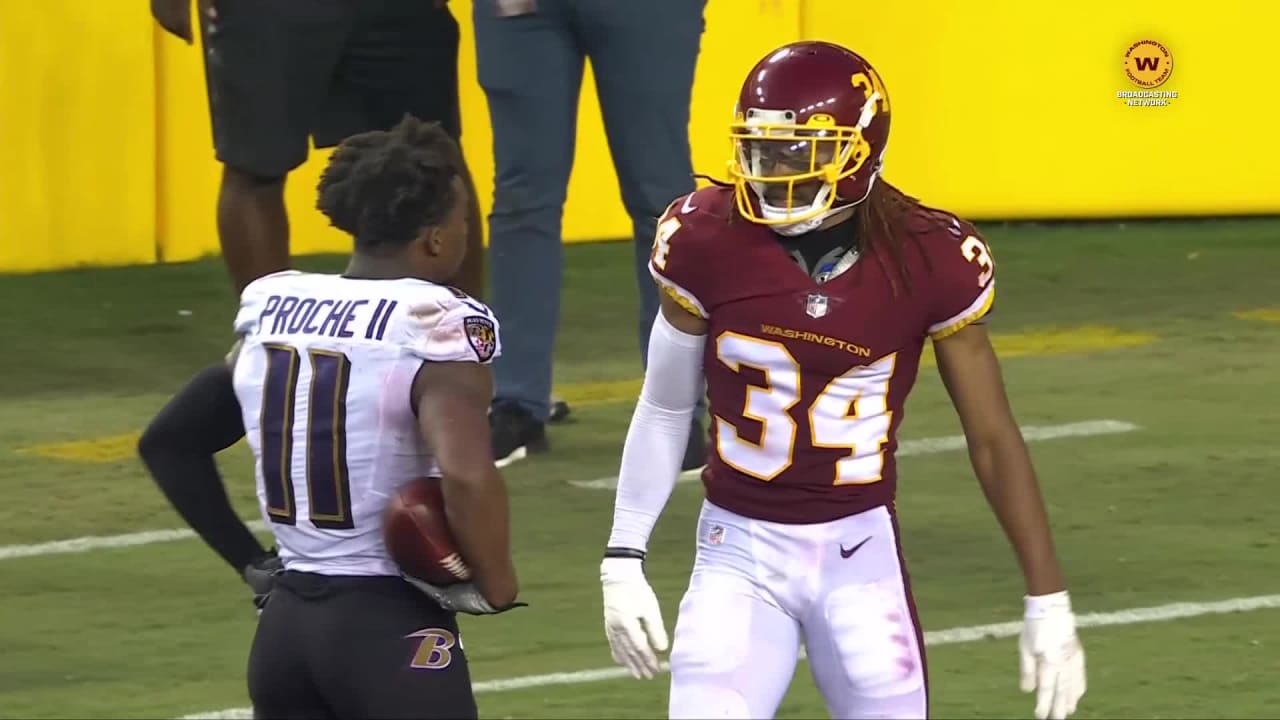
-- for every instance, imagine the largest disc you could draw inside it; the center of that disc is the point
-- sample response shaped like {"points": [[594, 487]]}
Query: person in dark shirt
{"points": [[282, 75]]}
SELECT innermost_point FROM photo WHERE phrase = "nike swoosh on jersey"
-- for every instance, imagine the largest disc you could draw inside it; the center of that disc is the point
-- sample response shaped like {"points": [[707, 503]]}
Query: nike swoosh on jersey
{"points": [[687, 207]]}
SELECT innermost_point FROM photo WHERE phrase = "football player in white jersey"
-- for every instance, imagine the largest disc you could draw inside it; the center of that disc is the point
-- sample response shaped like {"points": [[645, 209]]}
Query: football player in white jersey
{"points": [[349, 386]]}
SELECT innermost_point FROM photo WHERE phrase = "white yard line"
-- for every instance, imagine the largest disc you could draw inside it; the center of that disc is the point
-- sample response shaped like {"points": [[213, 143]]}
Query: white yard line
{"points": [[926, 446], [951, 636], [929, 446], [103, 542]]}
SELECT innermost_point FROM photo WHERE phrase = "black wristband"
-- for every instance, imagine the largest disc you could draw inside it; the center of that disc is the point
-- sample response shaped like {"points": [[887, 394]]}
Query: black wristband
{"points": [[623, 552]]}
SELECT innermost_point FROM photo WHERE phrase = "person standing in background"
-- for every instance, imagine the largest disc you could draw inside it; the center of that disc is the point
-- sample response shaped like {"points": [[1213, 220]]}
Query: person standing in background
{"points": [[282, 73], [530, 56]]}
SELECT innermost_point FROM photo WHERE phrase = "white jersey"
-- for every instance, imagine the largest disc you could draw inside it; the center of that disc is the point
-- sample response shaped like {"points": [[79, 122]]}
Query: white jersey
{"points": [[324, 379]]}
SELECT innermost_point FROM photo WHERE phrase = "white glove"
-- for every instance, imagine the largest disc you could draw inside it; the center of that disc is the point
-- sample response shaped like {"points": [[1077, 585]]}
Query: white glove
{"points": [[632, 617], [1051, 654]]}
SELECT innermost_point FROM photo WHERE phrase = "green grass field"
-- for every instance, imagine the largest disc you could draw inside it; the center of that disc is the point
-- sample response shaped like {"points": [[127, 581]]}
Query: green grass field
{"points": [[1171, 327]]}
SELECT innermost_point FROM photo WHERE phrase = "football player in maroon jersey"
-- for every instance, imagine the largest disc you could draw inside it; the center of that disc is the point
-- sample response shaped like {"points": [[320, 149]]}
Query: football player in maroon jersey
{"points": [[805, 291]]}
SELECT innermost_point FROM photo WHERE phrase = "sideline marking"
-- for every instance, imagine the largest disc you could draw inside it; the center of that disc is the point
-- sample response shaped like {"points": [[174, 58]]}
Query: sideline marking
{"points": [[1264, 314]]}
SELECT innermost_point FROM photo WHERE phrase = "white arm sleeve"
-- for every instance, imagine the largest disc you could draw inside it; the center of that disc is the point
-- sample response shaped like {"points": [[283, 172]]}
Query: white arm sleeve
{"points": [[658, 434]]}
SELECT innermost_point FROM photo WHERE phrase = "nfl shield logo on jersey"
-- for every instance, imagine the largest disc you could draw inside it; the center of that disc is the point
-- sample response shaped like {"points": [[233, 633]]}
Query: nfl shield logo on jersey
{"points": [[816, 305], [716, 535], [482, 335]]}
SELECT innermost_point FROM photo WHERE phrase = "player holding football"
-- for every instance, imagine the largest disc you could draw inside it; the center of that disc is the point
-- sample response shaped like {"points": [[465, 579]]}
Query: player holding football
{"points": [[805, 292], [351, 386]]}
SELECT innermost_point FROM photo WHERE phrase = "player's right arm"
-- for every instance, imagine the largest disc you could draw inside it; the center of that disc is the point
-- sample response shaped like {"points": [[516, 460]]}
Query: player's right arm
{"points": [[659, 430], [451, 393], [452, 401], [651, 458], [178, 449]]}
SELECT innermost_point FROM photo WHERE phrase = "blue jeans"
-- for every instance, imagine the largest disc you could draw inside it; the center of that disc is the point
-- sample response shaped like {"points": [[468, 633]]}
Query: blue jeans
{"points": [[643, 54]]}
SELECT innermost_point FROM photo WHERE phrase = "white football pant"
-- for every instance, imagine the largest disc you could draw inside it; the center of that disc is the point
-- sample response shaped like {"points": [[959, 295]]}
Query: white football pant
{"points": [[759, 589]]}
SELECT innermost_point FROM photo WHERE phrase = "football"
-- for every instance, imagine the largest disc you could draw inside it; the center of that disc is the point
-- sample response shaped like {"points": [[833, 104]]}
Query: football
{"points": [[417, 535]]}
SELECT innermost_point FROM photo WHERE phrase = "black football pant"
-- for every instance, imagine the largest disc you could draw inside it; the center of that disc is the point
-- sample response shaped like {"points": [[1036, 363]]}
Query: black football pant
{"points": [[356, 647]]}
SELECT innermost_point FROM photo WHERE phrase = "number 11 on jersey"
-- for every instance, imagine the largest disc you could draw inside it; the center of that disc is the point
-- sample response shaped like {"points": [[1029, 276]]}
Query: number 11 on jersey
{"points": [[327, 483]]}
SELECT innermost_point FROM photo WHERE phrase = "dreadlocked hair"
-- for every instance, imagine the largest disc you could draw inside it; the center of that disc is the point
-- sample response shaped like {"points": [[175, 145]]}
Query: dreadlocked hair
{"points": [[384, 187], [887, 227]]}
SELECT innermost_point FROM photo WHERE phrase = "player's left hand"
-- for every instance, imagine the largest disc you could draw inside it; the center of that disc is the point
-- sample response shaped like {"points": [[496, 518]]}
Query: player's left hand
{"points": [[260, 576], [460, 597], [1052, 659]]}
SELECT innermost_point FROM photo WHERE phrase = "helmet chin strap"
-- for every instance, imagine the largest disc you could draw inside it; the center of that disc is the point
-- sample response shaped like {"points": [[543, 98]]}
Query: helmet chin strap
{"points": [[800, 228], [774, 212]]}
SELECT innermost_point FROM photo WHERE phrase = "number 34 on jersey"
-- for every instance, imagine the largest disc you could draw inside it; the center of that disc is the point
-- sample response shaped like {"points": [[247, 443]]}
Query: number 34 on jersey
{"points": [[851, 413]]}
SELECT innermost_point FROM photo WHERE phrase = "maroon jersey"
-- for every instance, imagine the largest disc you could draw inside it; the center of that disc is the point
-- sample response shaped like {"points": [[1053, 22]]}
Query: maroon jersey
{"points": [[807, 382]]}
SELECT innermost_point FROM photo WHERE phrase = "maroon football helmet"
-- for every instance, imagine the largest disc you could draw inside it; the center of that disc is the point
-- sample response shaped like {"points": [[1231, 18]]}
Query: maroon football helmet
{"points": [[809, 134]]}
